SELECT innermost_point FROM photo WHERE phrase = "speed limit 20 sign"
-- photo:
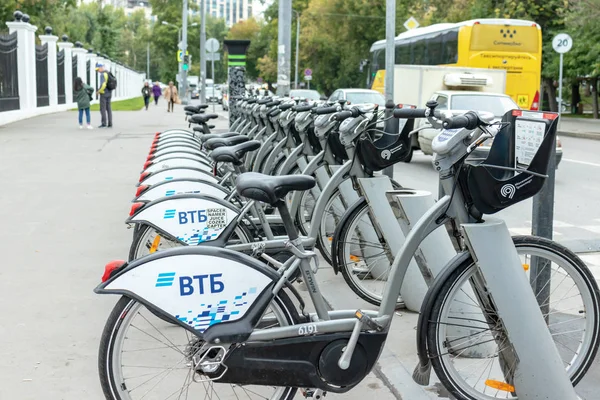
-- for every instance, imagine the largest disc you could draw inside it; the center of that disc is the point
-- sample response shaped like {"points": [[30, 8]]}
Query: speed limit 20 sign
{"points": [[562, 43]]}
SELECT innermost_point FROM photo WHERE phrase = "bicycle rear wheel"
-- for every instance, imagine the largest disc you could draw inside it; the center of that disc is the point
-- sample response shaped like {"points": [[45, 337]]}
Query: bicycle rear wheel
{"points": [[463, 347], [143, 357]]}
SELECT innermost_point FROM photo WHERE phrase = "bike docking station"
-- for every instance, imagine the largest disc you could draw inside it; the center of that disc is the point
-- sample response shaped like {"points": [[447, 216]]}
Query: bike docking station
{"points": [[531, 363]]}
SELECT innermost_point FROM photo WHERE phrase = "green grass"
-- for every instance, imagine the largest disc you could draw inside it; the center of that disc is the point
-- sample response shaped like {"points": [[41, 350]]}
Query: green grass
{"points": [[134, 104]]}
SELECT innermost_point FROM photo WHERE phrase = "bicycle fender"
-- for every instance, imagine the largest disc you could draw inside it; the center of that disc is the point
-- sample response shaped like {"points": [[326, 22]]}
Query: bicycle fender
{"points": [[169, 174], [181, 186], [177, 163], [425, 313], [188, 156], [189, 218], [335, 242], [212, 292]]}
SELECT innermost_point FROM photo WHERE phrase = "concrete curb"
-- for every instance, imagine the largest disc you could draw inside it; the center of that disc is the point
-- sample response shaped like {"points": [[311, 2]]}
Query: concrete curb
{"points": [[581, 135]]}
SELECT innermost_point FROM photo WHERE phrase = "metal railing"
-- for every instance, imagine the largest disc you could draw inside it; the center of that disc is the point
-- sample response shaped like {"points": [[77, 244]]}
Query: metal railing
{"points": [[60, 76], [41, 68], [9, 73]]}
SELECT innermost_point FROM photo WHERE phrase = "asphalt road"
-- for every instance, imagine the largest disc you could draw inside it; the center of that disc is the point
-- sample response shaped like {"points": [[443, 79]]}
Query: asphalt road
{"points": [[576, 211]]}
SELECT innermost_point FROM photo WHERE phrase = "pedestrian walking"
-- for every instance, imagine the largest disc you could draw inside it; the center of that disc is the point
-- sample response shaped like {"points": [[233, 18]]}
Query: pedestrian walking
{"points": [[171, 96], [107, 85], [146, 94], [156, 91], [82, 94]]}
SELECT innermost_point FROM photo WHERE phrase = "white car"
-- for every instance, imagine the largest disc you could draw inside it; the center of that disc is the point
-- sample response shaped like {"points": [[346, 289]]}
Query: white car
{"points": [[358, 96], [496, 103], [459, 102]]}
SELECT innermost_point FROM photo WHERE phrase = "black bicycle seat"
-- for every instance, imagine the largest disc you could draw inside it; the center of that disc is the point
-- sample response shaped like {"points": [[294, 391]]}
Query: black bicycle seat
{"points": [[269, 189], [215, 143], [234, 154]]}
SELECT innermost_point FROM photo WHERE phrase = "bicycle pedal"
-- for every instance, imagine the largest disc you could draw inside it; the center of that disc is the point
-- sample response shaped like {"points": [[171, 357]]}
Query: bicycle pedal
{"points": [[368, 321], [316, 394]]}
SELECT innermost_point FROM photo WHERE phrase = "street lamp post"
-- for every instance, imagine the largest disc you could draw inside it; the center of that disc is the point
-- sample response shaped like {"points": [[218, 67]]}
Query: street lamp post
{"points": [[297, 46]]}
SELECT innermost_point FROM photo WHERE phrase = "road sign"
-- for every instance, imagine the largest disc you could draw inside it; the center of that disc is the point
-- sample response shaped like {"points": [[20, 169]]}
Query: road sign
{"points": [[180, 55], [308, 77], [307, 72], [212, 45], [562, 43], [411, 23], [213, 57]]}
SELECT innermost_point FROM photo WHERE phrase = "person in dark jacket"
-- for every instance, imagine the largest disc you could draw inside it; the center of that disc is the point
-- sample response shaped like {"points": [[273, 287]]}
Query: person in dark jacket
{"points": [[157, 92], [82, 94], [146, 94]]}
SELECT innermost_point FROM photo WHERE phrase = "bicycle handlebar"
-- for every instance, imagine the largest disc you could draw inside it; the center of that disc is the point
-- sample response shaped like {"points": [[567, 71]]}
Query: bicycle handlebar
{"points": [[326, 110], [469, 120], [264, 100], [287, 106], [342, 115], [303, 108], [409, 113]]}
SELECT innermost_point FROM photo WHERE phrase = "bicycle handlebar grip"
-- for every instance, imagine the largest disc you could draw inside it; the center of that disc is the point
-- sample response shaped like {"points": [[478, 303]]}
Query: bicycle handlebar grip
{"points": [[409, 113], [469, 120], [251, 101], [342, 115], [273, 103], [274, 112], [264, 101], [303, 108], [287, 106], [326, 110]]}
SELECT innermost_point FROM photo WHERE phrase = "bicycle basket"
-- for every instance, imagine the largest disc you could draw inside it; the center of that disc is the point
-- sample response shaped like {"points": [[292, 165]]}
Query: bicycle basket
{"points": [[389, 149], [337, 148], [490, 189]]}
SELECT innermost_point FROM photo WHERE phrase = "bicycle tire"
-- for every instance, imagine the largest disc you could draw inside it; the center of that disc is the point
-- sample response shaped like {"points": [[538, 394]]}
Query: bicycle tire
{"points": [[113, 386], [582, 275]]}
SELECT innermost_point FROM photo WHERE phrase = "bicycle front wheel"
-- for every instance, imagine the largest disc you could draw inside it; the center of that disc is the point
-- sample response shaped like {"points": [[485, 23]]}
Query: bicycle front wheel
{"points": [[464, 346]]}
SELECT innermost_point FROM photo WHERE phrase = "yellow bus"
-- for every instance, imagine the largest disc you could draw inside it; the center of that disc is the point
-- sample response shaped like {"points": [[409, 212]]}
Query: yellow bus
{"points": [[510, 44]]}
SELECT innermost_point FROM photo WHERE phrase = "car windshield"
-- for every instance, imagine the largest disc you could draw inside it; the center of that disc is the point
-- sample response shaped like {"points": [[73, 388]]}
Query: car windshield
{"points": [[308, 94], [497, 105], [365, 97]]}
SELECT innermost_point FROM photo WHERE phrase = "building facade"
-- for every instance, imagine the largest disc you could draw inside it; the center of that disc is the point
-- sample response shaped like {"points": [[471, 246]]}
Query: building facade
{"points": [[232, 11]]}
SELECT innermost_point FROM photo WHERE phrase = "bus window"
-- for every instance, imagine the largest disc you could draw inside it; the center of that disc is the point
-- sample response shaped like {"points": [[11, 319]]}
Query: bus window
{"points": [[403, 55], [435, 50], [420, 52], [450, 45]]}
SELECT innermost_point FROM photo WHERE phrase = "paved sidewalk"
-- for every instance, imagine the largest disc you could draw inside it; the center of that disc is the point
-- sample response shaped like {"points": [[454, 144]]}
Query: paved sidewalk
{"points": [[68, 193], [580, 127]]}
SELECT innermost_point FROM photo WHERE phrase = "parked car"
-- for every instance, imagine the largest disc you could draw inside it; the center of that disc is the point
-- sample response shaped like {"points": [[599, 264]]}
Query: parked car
{"points": [[195, 93], [305, 94], [212, 95], [459, 102], [358, 96]]}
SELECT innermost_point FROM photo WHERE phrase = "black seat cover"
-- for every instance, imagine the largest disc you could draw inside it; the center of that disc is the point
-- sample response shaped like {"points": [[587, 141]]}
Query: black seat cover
{"points": [[269, 189], [202, 118], [225, 135], [215, 143], [234, 154]]}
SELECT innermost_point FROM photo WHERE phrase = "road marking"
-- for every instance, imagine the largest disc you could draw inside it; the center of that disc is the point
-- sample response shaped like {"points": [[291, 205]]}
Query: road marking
{"points": [[592, 228], [581, 162]]}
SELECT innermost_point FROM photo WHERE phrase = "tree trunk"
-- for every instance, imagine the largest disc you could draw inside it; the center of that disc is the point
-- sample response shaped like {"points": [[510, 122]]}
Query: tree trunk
{"points": [[551, 90], [595, 96]]}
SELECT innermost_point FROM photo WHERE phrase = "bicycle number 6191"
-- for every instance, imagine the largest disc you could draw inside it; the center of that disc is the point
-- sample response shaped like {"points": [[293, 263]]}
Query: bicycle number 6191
{"points": [[307, 329]]}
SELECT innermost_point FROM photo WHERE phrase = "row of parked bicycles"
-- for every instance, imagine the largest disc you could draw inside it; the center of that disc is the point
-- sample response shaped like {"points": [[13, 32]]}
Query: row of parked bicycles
{"points": [[225, 226]]}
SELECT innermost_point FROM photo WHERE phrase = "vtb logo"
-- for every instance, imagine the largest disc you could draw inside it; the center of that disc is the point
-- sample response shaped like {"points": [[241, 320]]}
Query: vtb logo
{"points": [[189, 285], [185, 217]]}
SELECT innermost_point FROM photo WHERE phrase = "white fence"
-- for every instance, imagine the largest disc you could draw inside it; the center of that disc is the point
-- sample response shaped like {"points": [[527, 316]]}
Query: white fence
{"points": [[129, 82]]}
